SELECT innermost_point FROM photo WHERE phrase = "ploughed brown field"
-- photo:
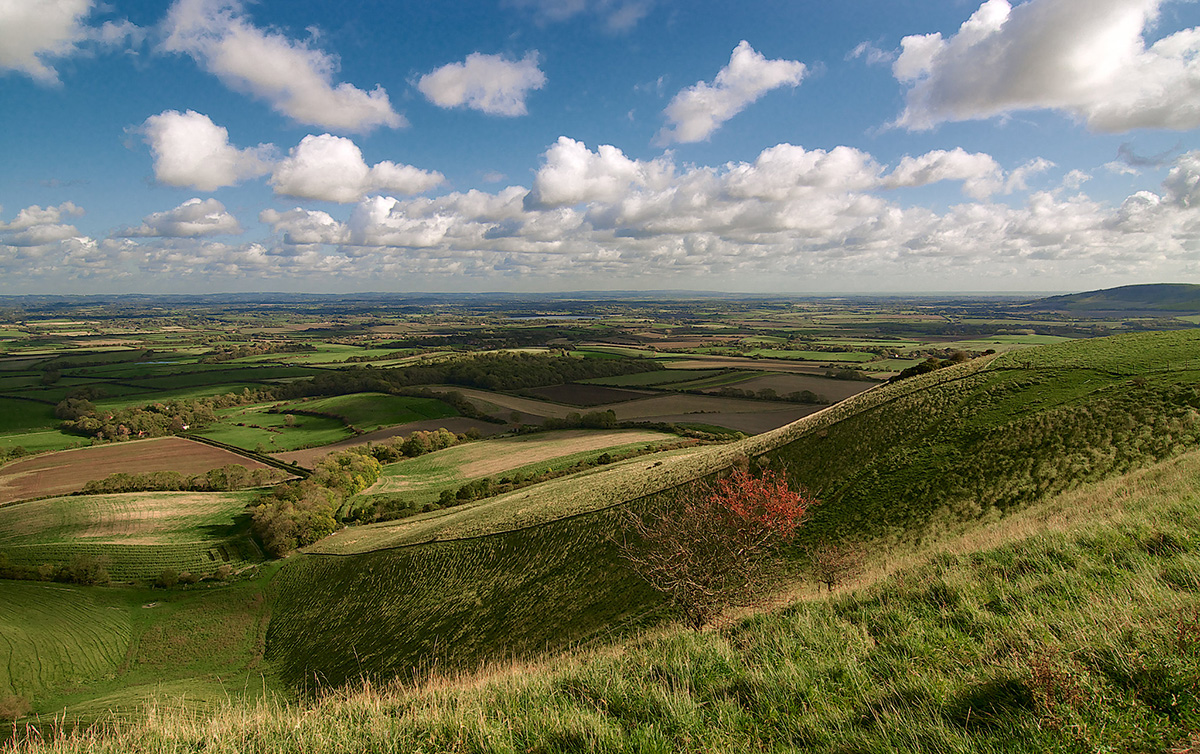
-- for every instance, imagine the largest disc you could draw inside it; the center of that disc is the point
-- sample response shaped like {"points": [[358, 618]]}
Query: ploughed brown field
{"points": [[575, 394], [784, 383], [67, 471]]}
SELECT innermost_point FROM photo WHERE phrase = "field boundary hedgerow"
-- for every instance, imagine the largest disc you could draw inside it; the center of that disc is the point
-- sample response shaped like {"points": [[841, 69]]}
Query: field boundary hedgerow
{"points": [[253, 455]]}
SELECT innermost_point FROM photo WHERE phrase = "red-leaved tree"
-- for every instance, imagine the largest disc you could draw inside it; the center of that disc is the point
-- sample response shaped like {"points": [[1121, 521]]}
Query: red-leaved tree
{"points": [[715, 546]]}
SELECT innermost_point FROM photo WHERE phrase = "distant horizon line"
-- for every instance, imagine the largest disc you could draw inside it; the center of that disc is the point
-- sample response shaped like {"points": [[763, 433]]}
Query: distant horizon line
{"points": [[534, 294]]}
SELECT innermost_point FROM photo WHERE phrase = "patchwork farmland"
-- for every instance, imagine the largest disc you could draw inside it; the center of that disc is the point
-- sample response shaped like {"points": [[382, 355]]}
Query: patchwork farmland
{"points": [[69, 470]]}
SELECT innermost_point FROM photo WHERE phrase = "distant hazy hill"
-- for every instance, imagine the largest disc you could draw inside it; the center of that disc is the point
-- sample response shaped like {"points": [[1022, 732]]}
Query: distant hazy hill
{"points": [[1164, 297]]}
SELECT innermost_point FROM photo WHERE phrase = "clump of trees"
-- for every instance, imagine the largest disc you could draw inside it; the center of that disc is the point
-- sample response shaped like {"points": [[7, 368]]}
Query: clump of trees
{"points": [[81, 416], [769, 394], [84, 569], [259, 348], [932, 364], [295, 514], [418, 444], [716, 545], [229, 477], [590, 420]]}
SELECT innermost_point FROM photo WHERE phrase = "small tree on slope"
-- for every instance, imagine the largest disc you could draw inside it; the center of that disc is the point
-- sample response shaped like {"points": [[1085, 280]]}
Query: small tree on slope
{"points": [[716, 545]]}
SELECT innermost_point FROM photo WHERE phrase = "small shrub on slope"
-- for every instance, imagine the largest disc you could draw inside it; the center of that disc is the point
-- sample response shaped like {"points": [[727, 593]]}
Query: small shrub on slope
{"points": [[717, 546]]}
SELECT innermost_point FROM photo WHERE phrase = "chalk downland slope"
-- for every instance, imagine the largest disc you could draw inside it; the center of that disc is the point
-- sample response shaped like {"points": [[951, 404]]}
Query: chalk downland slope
{"points": [[535, 570]]}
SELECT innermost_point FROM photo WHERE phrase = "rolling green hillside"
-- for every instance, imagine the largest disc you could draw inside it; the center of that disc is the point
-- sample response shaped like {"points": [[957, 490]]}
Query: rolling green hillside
{"points": [[1072, 626], [965, 443], [533, 571]]}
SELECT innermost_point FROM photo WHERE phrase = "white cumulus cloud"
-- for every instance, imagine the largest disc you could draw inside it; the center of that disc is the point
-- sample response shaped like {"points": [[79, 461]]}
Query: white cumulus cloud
{"points": [[300, 226], [36, 226], [294, 77], [573, 174], [192, 219], [331, 168], [491, 84], [190, 150], [1087, 58], [33, 33], [980, 173], [696, 112]]}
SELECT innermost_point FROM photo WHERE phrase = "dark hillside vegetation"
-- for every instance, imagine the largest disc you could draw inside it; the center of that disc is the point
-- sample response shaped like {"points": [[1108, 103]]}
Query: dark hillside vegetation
{"points": [[968, 442], [500, 371], [994, 434]]}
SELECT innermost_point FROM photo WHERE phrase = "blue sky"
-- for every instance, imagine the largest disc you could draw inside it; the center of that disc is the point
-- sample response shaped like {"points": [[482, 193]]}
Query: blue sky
{"points": [[534, 145]]}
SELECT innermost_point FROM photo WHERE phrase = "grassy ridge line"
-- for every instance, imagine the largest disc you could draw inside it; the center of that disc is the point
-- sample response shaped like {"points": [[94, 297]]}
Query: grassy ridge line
{"points": [[1005, 435], [1073, 626]]}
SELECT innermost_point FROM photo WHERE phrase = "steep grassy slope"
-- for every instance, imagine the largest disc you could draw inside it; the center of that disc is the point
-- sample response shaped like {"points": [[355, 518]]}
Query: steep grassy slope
{"points": [[963, 443], [103, 652], [1072, 626], [990, 435], [53, 634], [451, 604]]}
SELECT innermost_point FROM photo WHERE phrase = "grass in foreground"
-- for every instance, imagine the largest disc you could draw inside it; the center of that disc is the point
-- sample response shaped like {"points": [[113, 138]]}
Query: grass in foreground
{"points": [[1073, 626]]}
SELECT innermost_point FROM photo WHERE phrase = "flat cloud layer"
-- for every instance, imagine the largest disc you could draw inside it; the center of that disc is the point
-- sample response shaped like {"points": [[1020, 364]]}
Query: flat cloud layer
{"points": [[295, 78], [1087, 58], [700, 109], [618, 15], [491, 84]]}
